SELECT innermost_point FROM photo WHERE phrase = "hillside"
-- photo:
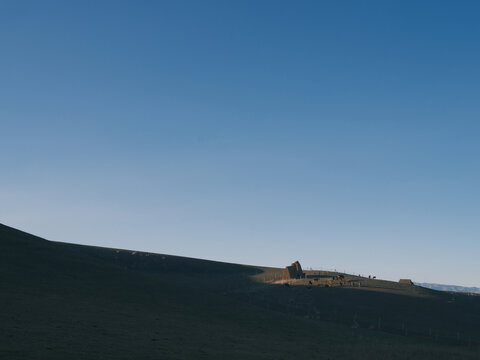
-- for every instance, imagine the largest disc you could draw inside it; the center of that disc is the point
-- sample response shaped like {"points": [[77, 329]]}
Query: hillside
{"points": [[60, 301]]}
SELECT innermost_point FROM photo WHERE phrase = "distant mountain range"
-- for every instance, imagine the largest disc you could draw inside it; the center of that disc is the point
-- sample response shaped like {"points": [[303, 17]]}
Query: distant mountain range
{"points": [[455, 288]]}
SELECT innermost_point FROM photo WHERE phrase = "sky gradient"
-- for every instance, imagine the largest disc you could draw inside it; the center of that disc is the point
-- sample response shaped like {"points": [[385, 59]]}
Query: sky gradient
{"points": [[343, 134]]}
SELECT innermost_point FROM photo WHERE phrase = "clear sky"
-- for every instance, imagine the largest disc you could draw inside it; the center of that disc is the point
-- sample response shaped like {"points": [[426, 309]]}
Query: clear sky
{"points": [[344, 134]]}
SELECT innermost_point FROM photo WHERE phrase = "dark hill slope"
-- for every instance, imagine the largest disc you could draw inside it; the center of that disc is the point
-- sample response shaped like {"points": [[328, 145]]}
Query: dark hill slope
{"points": [[60, 303], [395, 308], [212, 275]]}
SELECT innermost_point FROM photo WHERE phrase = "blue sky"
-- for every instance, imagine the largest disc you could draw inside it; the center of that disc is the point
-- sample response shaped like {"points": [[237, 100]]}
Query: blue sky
{"points": [[343, 134]]}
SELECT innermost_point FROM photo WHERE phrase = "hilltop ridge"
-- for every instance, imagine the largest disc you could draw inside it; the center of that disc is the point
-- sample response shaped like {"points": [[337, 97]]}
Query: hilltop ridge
{"points": [[62, 300]]}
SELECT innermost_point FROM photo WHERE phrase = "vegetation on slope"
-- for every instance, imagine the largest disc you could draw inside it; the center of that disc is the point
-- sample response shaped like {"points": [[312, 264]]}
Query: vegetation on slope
{"points": [[62, 301]]}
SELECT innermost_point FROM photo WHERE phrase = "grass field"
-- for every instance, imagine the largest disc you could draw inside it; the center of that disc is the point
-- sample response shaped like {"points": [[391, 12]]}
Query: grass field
{"points": [[64, 301]]}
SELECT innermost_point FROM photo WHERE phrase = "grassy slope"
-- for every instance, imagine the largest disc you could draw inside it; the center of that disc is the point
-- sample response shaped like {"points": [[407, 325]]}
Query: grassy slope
{"points": [[60, 301], [400, 308]]}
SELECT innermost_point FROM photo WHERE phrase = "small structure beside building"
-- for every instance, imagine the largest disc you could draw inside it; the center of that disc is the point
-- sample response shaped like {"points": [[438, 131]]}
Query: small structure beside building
{"points": [[293, 271], [405, 281]]}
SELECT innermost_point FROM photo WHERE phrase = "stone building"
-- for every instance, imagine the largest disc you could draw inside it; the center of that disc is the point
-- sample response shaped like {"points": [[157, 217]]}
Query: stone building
{"points": [[293, 271]]}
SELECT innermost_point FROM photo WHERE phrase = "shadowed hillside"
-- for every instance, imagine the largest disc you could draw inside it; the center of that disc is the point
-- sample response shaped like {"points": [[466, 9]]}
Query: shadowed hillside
{"points": [[63, 301], [392, 307]]}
